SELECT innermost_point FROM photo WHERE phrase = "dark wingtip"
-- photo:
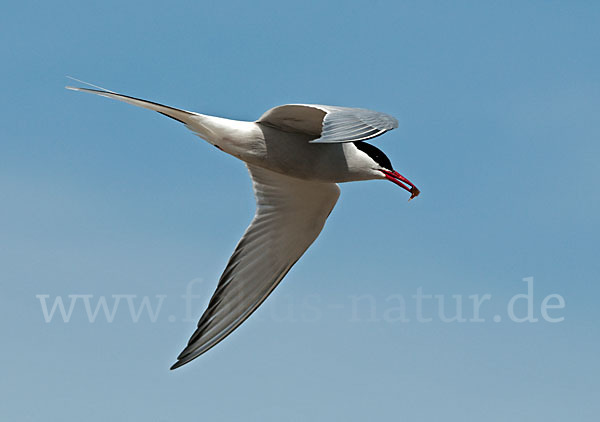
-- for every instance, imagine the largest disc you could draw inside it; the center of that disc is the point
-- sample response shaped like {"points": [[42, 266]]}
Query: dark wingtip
{"points": [[177, 365], [182, 359]]}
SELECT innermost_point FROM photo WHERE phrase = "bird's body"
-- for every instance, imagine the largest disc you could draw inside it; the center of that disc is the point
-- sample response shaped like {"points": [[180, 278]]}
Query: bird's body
{"points": [[283, 152], [296, 154]]}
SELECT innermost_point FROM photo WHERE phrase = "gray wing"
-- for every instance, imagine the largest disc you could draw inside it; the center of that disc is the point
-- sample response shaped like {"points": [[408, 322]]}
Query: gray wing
{"points": [[290, 215], [329, 124]]}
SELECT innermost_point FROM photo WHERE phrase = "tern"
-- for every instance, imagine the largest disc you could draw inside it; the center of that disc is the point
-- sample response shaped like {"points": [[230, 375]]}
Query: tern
{"points": [[296, 155]]}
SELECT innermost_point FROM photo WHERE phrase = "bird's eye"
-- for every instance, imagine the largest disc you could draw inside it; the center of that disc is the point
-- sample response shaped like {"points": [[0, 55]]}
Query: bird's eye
{"points": [[375, 153]]}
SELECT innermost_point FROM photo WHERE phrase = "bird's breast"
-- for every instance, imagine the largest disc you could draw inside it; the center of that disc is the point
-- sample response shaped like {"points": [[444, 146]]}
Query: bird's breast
{"points": [[287, 153]]}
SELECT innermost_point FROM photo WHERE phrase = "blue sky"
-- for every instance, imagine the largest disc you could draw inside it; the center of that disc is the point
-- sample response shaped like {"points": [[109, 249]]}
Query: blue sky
{"points": [[498, 106]]}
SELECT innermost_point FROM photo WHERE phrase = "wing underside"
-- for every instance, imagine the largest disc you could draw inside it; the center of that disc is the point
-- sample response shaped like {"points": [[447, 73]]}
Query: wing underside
{"points": [[290, 215]]}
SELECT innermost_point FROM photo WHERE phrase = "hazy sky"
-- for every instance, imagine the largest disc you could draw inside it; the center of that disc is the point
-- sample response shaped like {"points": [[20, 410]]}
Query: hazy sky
{"points": [[498, 104]]}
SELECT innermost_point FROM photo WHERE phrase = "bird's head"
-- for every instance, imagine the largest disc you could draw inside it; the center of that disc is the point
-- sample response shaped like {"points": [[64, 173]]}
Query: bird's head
{"points": [[383, 168]]}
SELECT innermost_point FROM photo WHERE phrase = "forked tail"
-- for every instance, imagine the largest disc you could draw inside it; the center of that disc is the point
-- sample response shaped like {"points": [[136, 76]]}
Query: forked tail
{"points": [[210, 128], [182, 116]]}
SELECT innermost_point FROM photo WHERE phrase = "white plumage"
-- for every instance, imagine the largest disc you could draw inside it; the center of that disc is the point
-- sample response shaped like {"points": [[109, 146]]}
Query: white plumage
{"points": [[296, 154]]}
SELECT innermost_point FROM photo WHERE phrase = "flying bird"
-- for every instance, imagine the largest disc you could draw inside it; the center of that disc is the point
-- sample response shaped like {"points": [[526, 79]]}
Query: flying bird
{"points": [[296, 155]]}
